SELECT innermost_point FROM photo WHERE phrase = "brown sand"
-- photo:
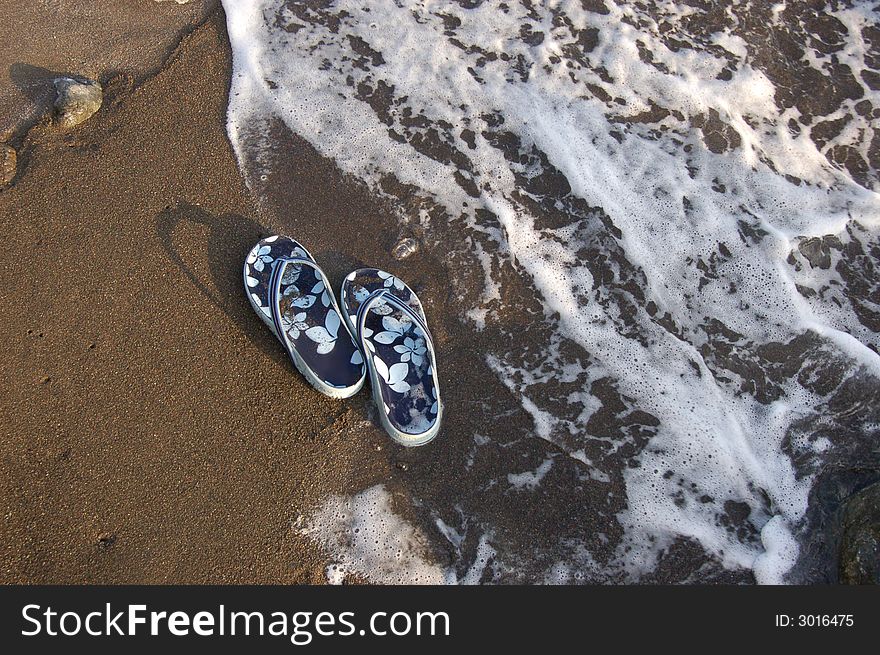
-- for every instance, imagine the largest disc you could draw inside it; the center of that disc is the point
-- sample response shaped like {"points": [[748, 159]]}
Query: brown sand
{"points": [[152, 430], [42, 39]]}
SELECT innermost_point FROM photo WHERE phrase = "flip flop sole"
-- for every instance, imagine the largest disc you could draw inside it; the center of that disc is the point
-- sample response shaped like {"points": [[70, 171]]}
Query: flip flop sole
{"points": [[257, 272], [359, 284], [399, 354], [308, 316]]}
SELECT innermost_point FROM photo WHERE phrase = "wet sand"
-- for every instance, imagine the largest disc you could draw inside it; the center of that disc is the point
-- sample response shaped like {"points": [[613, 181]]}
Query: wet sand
{"points": [[152, 430], [97, 40]]}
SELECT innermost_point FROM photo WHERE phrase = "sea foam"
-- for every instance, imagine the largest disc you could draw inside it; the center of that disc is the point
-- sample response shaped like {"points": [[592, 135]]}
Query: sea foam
{"points": [[663, 140]]}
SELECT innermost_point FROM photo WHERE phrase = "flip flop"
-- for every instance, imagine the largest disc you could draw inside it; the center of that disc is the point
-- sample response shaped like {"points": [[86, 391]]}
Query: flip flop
{"points": [[292, 296], [389, 323]]}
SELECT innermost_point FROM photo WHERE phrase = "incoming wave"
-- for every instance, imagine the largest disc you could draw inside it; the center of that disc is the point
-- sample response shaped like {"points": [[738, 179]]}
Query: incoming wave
{"points": [[676, 201]]}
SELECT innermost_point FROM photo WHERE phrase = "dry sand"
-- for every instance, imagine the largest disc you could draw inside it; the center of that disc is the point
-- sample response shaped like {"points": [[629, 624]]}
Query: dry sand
{"points": [[42, 39], [152, 429]]}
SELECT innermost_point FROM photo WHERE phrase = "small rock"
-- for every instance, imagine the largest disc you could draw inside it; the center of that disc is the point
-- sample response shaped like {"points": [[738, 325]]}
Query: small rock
{"points": [[106, 539], [76, 101], [8, 159], [45, 379], [860, 545], [404, 248]]}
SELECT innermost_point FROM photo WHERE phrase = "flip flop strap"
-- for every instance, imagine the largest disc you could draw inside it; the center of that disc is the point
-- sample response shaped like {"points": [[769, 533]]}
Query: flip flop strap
{"points": [[280, 265], [390, 298]]}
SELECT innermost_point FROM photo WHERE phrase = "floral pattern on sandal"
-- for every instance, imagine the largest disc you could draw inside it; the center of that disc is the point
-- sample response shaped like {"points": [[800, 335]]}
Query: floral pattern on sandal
{"points": [[292, 296], [389, 321]]}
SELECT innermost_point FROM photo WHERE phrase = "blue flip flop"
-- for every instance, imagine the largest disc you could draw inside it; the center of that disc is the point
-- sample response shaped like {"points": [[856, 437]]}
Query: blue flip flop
{"points": [[389, 324], [292, 296]]}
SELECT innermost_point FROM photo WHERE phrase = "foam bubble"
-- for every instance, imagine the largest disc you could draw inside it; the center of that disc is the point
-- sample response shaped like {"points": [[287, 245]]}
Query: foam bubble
{"points": [[530, 479], [780, 552], [366, 538]]}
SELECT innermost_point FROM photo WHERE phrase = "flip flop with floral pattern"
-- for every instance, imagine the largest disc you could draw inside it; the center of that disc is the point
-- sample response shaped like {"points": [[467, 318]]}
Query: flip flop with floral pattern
{"points": [[390, 327], [292, 296]]}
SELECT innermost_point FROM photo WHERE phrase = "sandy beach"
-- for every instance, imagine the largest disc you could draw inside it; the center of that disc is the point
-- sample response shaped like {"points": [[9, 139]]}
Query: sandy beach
{"points": [[155, 431], [152, 430]]}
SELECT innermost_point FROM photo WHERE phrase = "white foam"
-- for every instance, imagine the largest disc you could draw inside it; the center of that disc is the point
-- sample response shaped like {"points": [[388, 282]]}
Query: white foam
{"points": [[780, 553], [366, 538], [530, 479]]}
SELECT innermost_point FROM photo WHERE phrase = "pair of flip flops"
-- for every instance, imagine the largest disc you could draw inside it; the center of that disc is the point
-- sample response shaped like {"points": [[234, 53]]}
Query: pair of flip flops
{"points": [[377, 329]]}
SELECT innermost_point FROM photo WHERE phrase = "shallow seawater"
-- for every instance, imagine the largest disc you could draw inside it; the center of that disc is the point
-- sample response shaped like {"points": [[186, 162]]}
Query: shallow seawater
{"points": [[667, 216]]}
